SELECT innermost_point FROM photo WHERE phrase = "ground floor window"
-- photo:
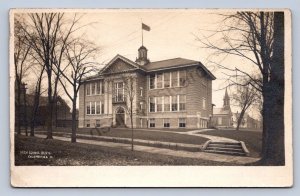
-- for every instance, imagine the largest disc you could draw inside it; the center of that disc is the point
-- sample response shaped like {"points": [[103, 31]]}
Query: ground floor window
{"points": [[182, 122], [87, 123], [97, 123], [152, 104], [166, 122], [88, 108], [102, 108], [141, 122], [203, 123], [152, 122]]}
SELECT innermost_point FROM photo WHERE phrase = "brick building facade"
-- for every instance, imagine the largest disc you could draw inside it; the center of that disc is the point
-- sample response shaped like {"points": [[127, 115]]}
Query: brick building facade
{"points": [[170, 93]]}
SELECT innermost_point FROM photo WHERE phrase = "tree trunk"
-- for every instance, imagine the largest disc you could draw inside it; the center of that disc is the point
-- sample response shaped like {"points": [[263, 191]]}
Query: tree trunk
{"points": [[74, 127], [34, 112], [131, 118], [240, 120], [18, 105], [273, 108], [49, 120], [25, 113], [50, 105]]}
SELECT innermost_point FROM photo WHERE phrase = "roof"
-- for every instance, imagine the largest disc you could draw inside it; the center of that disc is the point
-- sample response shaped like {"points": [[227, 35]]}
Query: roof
{"points": [[30, 100], [156, 66], [169, 63], [220, 111], [133, 64], [43, 101], [176, 63]]}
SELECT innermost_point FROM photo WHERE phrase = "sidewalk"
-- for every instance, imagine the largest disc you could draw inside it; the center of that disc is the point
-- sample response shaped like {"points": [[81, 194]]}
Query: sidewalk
{"points": [[210, 137], [197, 133], [163, 151], [142, 142]]}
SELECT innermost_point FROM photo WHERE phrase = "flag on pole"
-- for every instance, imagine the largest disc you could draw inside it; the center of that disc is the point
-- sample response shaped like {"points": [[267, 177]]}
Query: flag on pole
{"points": [[145, 27]]}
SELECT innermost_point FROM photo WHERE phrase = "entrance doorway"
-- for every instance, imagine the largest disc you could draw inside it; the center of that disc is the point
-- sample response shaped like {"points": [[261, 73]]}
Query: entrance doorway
{"points": [[120, 117]]}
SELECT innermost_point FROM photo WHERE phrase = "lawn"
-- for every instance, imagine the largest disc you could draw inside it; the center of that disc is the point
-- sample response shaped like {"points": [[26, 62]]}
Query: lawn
{"points": [[139, 134], [252, 139], [67, 154]]}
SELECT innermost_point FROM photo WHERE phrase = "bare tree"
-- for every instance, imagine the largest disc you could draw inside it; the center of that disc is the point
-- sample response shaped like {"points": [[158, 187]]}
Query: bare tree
{"points": [[79, 64], [129, 83], [36, 94], [245, 96], [48, 36], [21, 55], [258, 37]]}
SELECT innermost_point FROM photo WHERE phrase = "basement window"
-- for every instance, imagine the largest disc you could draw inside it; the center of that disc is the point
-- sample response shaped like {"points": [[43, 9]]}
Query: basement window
{"points": [[166, 122], [152, 122], [182, 122]]}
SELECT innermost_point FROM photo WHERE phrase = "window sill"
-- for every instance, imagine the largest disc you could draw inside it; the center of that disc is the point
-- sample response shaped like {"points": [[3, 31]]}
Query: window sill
{"points": [[169, 111], [166, 88]]}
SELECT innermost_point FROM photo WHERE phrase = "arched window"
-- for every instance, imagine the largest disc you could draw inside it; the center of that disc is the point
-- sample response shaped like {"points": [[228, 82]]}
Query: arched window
{"points": [[120, 110]]}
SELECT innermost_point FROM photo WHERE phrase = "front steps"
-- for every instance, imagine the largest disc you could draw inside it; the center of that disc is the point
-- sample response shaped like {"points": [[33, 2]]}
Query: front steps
{"points": [[228, 148]]}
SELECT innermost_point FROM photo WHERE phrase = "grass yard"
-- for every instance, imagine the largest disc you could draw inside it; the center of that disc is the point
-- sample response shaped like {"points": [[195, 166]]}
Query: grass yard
{"points": [[252, 139], [67, 154], [139, 134]]}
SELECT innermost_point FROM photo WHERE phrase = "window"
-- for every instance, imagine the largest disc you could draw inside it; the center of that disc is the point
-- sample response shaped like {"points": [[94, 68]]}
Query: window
{"points": [[174, 103], [159, 80], [119, 92], [88, 108], [203, 103], [182, 77], [98, 90], [167, 103], [102, 108], [174, 79], [88, 89], [141, 91], [167, 79], [152, 81], [166, 122], [93, 108], [97, 123], [93, 88], [182, 122], [98, 108], [87, 123], [152, 104], [159, 104], [219, 120], [102, 87], [152, 122], [182, 100], [141, 106]]}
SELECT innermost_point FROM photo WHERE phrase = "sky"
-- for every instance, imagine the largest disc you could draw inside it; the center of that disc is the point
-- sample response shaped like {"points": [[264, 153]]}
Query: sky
{"points": [[173, 34]]}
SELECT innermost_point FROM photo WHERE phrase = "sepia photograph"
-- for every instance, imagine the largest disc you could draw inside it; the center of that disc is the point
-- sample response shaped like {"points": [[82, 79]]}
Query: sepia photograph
{"points": [[164, 88]]}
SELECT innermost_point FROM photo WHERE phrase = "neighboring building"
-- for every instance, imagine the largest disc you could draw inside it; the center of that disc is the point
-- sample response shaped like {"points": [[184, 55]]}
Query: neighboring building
{"points": [[169, 93], [61, 117], [247, 122], [222, 117]]}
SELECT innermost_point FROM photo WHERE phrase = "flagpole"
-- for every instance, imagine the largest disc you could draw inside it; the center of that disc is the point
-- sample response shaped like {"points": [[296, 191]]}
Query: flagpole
{"points": [[142, 33]]}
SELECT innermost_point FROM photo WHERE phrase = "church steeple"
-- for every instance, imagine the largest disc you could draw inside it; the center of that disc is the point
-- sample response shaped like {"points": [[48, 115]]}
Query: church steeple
{"points": [[226, 100], [142, 59]]}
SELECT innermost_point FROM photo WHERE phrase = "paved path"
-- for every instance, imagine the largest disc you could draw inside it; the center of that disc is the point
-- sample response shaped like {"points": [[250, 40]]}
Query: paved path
{"points": [[128, 140], [210, 137], [155, 150], [197, 133]]}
